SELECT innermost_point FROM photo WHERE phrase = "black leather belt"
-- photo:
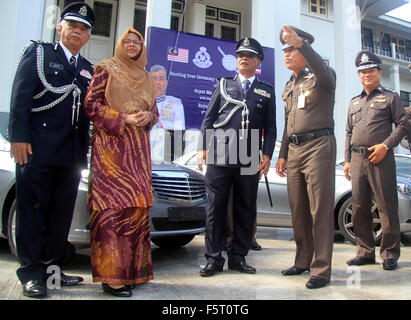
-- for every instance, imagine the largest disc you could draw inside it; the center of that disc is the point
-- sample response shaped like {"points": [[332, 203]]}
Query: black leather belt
{"points": [[361, 150], [300, 138]]}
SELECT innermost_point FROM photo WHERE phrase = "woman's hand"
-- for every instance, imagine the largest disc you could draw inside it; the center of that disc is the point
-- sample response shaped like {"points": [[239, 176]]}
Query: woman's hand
{"points": [[139, 119]]}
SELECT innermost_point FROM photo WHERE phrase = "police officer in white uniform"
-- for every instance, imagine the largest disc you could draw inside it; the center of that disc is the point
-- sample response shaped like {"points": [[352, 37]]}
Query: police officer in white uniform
{"points": [[170, 109]]}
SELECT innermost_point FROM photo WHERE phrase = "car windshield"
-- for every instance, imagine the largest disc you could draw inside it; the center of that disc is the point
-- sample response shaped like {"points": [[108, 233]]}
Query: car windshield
{"points": [[403, 165]]}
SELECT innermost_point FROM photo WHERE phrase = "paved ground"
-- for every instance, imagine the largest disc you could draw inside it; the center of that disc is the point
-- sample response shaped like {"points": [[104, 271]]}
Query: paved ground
{"points": [[177, 277]]}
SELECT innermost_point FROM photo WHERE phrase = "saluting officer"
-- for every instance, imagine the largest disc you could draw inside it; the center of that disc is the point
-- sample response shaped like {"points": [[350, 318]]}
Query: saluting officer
{"points": [[307, 155], [49, 142], [240, 109], [370, 164]]}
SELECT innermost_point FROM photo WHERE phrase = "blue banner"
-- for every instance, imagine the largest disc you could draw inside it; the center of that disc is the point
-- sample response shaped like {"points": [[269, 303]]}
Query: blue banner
{"points": [[186, 67]]}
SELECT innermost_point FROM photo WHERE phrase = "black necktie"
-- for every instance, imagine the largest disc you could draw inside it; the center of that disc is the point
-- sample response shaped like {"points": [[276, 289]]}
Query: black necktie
{"points": [[246, 85], [73, 63]]}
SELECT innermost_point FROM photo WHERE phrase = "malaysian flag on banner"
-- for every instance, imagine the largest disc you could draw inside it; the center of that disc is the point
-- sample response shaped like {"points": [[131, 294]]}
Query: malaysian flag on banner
{"points": [[177, 54]]}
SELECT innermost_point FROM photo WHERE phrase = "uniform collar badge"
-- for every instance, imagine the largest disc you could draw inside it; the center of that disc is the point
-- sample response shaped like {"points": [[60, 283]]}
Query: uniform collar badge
{"points": [[83, 11]]}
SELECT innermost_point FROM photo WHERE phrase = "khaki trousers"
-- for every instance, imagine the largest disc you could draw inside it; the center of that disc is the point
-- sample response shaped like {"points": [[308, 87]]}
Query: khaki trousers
{"points": [[381, 180], [311, 192]]}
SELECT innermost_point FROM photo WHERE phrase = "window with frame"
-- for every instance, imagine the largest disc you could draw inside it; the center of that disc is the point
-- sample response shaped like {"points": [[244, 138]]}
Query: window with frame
{"points": [[399, 44], [140, 21], [367, 39], [222, 23], [385, 44], [228, 33], [102, 23], [177, 8], [408, 48], [318, 7], [402, 46], [406, 98], [209, 29]]}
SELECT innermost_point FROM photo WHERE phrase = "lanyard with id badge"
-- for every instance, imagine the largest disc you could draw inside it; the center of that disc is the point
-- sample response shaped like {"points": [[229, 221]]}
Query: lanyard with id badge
{"points": [[301, 97]]}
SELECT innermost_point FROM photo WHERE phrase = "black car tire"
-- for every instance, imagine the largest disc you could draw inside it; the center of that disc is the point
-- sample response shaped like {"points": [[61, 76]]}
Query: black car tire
{"points": [[173, 242], [345, 222], [11, 237]]}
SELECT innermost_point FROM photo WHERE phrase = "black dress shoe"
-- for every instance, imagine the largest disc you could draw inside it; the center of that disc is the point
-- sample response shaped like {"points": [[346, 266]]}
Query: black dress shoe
{"points": [[67, 281], [242, 267], [35, 289], [316, 282], [390, 264], [122, 292], [360, 261], [293, 271], [210, 269], [255, 246]]}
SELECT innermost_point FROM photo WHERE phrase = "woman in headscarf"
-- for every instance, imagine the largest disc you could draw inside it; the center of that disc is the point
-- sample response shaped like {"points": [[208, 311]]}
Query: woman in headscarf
{"points": [[121, 104]]}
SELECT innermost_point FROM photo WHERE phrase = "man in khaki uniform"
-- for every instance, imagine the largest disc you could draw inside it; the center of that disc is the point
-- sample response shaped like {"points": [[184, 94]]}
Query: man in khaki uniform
{"points": [[370, 164], [307, 155]]}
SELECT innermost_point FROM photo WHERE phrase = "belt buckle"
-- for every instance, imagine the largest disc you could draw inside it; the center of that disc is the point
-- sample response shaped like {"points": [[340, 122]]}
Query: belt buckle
{"points": [[294, 139], [363, 151]]}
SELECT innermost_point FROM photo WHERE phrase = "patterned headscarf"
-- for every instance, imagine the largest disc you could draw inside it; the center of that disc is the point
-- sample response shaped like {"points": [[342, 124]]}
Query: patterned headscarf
{"points": [[129, 87]]}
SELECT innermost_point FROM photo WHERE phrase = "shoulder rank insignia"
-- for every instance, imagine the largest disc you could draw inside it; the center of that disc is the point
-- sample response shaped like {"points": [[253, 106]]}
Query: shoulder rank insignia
{"points": [[262, 93]]}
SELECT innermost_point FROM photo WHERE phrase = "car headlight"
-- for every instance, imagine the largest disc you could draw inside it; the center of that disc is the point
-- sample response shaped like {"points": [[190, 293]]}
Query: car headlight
{"points": [[404, 188]]}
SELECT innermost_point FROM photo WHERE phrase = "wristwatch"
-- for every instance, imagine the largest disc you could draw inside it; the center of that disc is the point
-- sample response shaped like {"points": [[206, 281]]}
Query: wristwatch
{"points": [[385, 146]]}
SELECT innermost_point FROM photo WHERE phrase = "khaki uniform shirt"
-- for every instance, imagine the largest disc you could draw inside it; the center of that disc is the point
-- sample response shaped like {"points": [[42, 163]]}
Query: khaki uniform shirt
{"points": [[370, 119], [309, 98]]}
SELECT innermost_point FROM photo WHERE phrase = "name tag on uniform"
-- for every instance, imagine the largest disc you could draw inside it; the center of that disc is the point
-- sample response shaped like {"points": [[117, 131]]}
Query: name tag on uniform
{"points": [[56, 65], [301, 101], [85, 74]]}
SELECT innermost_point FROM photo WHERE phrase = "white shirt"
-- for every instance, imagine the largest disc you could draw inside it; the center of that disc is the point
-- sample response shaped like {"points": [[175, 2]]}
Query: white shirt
{"points": [[242, 79], [68, 53], [171, 113]]}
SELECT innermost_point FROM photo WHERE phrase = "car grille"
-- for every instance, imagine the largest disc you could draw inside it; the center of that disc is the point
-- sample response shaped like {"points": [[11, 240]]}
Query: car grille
{"points": [[178, 187]]}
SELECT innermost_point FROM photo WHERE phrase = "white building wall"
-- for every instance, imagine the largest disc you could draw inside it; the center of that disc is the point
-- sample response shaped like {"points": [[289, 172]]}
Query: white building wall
{"points": [[285, 13], [347, 39], [125, 17], [20, 22]]}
